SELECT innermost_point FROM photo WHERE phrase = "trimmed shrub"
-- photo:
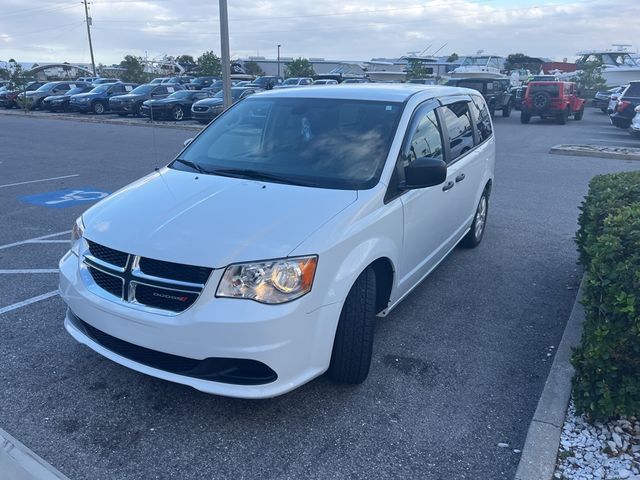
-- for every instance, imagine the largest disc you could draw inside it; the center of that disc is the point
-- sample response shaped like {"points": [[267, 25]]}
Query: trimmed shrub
{"points": [[607, 379]]}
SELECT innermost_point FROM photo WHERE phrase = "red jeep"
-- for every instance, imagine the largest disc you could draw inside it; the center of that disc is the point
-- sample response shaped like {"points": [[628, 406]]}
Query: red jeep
{"points": [[556, 100]]}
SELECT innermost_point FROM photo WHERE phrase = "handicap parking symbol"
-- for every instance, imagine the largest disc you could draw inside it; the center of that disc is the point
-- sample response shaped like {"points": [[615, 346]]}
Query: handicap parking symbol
{"points": [[66, 198]]}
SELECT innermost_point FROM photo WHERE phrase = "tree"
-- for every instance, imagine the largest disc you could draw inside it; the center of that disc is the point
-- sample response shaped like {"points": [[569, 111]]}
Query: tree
{"points": [[252, 68], [133, 69], [5, 74], [516, 61], [17, 79], [300, 67], [209, 65], [590, 77], [453, 57], [418, 69], [185, 59]]}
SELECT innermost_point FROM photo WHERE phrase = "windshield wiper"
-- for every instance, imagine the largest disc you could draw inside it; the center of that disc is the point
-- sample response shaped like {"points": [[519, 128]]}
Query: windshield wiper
{"points": [[191, 164], [256, 175]]}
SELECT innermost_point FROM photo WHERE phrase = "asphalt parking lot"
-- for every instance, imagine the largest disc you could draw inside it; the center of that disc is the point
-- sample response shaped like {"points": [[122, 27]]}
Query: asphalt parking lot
{"points": [[458, 367]]}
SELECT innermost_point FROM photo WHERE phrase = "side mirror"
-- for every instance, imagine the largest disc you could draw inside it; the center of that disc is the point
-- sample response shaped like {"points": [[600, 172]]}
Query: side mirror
{"points": [[424, 172], [187, 141]]}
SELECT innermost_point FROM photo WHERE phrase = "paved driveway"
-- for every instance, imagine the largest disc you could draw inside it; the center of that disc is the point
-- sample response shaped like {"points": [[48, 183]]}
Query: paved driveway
{"points": [[458, 366]]}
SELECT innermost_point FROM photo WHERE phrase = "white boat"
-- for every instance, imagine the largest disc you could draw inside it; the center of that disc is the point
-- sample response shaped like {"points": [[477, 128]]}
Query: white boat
{"points": [[618, 66], [476, 66]]}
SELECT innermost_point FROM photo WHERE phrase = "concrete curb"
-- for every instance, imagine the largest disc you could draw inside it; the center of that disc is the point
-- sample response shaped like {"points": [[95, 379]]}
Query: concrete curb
{"points": [[538, 460], [17, 462], [87, 119], [619, 153]]}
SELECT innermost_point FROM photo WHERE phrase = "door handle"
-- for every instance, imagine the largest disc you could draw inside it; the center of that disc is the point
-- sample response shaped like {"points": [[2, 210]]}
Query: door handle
{"points": [[460, 177], [448, 186]]}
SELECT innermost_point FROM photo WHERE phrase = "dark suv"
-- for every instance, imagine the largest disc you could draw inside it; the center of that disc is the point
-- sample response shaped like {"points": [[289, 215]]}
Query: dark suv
{"points": [[131, 103], [557, 100], [8, 98], [495, 92], [266, 83], [97, 100], [625, 108]]}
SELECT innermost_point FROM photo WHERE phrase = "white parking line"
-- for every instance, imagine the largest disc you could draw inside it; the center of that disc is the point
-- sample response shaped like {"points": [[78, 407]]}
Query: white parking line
{"points": [[49, 241], [29, 301], [40, 180], [34, 240], [29, 270]]}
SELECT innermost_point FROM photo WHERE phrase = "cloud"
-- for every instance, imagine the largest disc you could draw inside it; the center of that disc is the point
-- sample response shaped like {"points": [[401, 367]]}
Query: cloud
{"points": [[333, 29]]}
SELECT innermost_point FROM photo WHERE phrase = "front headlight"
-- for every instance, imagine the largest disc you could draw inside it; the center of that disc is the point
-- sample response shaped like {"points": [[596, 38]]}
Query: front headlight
{"points": [[272, 282], [77, 232]]}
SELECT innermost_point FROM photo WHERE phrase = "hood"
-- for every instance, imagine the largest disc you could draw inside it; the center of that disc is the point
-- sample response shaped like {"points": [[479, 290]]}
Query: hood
{"points": [[209, 102], [86, 95], [210, 220], [129, 96], [56, 97], [162, 101]]}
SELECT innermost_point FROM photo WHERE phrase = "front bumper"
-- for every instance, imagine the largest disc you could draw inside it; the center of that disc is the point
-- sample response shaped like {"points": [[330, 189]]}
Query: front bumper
{"points": [[121, 107], [293, 339], [158, 112]]}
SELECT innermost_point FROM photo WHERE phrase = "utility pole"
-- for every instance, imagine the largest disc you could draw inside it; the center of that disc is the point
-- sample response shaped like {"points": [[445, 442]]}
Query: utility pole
{"points": [[279, 59], [226, 63], [88, 19]]}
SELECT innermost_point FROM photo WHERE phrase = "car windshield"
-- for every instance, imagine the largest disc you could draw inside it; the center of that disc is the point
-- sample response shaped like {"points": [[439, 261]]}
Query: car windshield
{"points": [[235, 93], [291, 81], [74, 91], [142, 89], [46, 87], [550, 88], [326, 143], [181, 94], [101, 89]]}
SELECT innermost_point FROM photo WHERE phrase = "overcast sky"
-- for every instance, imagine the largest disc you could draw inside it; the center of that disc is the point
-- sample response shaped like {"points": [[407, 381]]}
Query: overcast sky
{"points": [[54, 30]]}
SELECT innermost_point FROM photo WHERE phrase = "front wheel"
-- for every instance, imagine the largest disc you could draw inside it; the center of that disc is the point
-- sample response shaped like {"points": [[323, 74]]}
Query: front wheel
{"points": [[525, 117], [353, 343], [98, 108], [473, 238], [177, 113], [563, 117], [579, 114], [506, 111]]}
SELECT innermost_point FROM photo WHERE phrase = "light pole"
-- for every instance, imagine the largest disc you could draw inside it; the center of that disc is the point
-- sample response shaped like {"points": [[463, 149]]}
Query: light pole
{"points": [[224, 44], [279, 59]]}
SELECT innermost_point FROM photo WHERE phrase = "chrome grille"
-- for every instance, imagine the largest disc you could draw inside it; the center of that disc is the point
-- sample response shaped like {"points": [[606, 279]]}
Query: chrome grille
{"points": [[142, 282]]}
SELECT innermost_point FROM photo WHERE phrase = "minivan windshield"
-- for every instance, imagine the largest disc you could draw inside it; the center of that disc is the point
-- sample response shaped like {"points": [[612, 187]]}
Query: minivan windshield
{"points": [[318, 142]]}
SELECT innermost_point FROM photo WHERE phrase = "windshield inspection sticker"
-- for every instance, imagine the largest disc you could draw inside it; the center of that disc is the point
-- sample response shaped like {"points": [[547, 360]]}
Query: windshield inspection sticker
{"points": [[65, 198]]}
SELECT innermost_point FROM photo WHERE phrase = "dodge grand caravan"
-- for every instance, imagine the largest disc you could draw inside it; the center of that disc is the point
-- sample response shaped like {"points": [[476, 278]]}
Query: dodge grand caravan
{"points": [[260, 257]]}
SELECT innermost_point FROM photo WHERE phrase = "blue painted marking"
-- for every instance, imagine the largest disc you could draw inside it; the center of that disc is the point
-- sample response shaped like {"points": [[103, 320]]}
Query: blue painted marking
{"points": [[65, 198]]}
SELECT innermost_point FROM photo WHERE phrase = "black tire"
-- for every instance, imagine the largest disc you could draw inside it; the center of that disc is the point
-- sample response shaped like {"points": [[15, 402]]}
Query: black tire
{"points": [[474, 236], [177, 113], [579, 114], [604, 110], [98, 108], [353, 343], [492, 110], [137, 110], [506, 110], [525, 117], [562, 117], [541, 100]]}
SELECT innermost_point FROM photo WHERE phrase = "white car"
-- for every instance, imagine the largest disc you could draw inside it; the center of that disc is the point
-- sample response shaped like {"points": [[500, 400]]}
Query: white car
{"points": [[634, 129], [260, 257], [325, 81], [295, 82]]}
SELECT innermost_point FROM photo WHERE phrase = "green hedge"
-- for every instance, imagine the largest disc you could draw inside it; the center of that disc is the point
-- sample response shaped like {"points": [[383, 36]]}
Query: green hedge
{"points": [[607, 380]]}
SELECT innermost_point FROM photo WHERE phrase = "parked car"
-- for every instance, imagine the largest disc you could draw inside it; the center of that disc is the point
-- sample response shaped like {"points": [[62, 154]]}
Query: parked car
{"points": [[557, 100], [97, 100], [158, 80], [260, 257], [183, 80], [206, 110], [295, 82], [216, 86], [9, 98], [634, 128], [199, 83], [131, 103], [102, 80], [356, 80], [423, 81], [33, 99], [87, 79], [176, 106], [602, 98], [495, 92], [517, 94], [60, 103], [266, 82], [325, 81], [544, 78], [625, 107]]}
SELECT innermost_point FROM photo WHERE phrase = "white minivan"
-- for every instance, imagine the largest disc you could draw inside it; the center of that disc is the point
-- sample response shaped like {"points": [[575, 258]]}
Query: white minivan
{"points": [[260, 257]]}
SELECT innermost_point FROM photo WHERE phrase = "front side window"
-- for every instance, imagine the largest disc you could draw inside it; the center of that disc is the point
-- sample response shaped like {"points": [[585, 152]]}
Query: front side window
{"points": [[425, 140], [482, 118], [457, 122], [319, 142]]}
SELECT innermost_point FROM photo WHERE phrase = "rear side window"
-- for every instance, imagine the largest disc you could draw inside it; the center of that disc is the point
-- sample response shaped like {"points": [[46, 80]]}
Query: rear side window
{"points": [[458, 125], [426, 140], [480, 115], [633, 90]]}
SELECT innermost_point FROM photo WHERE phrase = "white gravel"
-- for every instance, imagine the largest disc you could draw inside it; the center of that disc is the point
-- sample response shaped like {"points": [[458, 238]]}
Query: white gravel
{"points": [[600, 451]]}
